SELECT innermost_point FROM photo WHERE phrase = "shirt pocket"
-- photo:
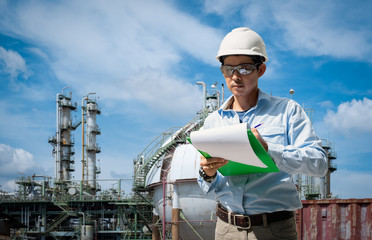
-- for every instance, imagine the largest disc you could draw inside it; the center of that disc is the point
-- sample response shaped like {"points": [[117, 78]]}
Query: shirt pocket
{"points": [[273, 134]]}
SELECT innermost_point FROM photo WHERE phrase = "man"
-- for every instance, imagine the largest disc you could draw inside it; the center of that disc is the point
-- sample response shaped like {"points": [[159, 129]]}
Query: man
{"points": [[259, 206]]}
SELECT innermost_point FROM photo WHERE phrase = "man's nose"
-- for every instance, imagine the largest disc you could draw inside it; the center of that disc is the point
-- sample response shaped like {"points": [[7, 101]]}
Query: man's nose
{"points": [[236, 75]]}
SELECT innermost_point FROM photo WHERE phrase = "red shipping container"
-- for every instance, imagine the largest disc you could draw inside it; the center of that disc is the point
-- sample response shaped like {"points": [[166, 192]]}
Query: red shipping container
{"points": [[335, 219]]}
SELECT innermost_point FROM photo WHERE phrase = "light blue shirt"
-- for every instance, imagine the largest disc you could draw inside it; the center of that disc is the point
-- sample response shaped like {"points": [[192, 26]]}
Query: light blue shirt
{"points": [[292, 144]]}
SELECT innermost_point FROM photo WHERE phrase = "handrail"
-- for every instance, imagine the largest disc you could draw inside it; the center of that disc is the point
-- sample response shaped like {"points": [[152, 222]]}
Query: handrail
{"points": [[161, 145]]}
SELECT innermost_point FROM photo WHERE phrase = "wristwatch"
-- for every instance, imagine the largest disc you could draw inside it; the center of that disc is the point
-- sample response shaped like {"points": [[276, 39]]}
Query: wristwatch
{"points": [[205, 176]]}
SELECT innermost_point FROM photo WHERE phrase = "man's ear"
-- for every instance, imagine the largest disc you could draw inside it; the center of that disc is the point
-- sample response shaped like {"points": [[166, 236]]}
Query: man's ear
{"points": [[261, 69]]}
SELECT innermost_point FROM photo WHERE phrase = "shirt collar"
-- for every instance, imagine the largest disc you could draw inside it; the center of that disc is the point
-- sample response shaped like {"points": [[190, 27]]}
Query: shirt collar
{"points": [[225, 106]]}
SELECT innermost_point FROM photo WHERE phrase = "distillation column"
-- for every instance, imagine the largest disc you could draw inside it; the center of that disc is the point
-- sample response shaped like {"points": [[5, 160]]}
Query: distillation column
{"points": [[92, 147], [63, 141]]}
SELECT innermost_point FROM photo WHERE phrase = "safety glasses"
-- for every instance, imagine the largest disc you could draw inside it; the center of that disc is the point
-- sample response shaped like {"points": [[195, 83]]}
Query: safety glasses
{"points": [[243, 69]]}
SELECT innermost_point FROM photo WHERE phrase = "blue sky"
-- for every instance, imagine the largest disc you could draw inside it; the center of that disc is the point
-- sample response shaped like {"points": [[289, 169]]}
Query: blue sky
{"points": [[142, 59]]}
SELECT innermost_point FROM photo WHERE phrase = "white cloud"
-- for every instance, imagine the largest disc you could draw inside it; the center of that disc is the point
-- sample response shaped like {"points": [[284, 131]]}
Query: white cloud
{"points": [[100, 47], [15, 160], [326, 104], [12, 63], [351, 117], [21, 121], [14, 66], [315, 31], [349, 131], [349, 184], [9, 185], [157, 90], [306, 28], [39, 52], [222, 7]]}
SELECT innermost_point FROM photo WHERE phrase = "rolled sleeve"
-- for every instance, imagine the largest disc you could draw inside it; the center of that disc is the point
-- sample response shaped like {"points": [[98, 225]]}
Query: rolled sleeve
{"points": [[275, 151], [207, 187]]}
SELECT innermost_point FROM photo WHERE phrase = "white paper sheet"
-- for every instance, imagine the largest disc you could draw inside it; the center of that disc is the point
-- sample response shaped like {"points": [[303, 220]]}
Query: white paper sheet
{"points": [[228, 142]]}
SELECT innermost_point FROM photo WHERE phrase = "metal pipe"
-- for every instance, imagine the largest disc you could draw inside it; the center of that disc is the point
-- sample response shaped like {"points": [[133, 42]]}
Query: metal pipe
{"points": [[164, 178], [135, 223], [82, 139], [81, 190], [175, 213], [223, 92], [175, 198], [119, 187], [204, 93], [83, 222], [57, 135], [95, 230]]}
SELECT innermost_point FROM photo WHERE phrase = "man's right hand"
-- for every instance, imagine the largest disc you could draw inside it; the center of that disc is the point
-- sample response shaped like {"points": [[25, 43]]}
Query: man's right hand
{"points": [[210, 165]]}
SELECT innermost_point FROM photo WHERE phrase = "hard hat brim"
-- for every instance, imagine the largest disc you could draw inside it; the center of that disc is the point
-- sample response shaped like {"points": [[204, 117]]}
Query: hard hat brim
{"points": [[240, 52]]}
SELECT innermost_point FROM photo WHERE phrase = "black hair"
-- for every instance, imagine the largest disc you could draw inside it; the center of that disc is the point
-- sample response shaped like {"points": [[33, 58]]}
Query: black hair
{"points": [[257, 59]]}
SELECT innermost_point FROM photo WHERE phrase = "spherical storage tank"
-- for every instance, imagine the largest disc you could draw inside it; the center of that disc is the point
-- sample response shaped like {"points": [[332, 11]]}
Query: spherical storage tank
{"points": [[177, 195], [168, 170]]}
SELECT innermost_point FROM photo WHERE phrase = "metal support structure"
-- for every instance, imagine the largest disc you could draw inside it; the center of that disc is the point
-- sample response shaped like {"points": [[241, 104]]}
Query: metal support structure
{"points": [[175, 223]]}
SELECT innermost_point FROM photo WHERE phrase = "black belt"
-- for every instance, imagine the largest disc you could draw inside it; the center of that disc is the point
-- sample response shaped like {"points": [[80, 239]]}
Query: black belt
{"points": [[246, 221]]}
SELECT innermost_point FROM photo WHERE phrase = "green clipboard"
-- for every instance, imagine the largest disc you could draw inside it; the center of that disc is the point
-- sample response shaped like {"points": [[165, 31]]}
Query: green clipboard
{"points": [[235, 168]]}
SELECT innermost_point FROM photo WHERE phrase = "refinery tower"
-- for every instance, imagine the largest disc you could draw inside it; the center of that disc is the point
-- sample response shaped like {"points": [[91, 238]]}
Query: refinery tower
{"points": [[63, 142]]}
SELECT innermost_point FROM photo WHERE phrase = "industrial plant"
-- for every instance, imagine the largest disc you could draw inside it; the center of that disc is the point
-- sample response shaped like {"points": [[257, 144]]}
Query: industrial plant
{"points": [[166, 201]]}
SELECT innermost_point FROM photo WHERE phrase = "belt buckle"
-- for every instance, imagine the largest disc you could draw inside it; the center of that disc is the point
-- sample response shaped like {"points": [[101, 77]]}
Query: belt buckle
{"points": [[244, 216]]}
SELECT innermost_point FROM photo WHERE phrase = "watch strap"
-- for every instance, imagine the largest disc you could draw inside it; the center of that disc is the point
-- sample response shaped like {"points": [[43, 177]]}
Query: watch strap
{"points": [[205, 177]]}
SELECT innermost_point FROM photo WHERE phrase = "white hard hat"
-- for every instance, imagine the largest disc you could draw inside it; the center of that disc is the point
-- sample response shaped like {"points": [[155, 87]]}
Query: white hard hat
{"points": [[242, 41]]}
